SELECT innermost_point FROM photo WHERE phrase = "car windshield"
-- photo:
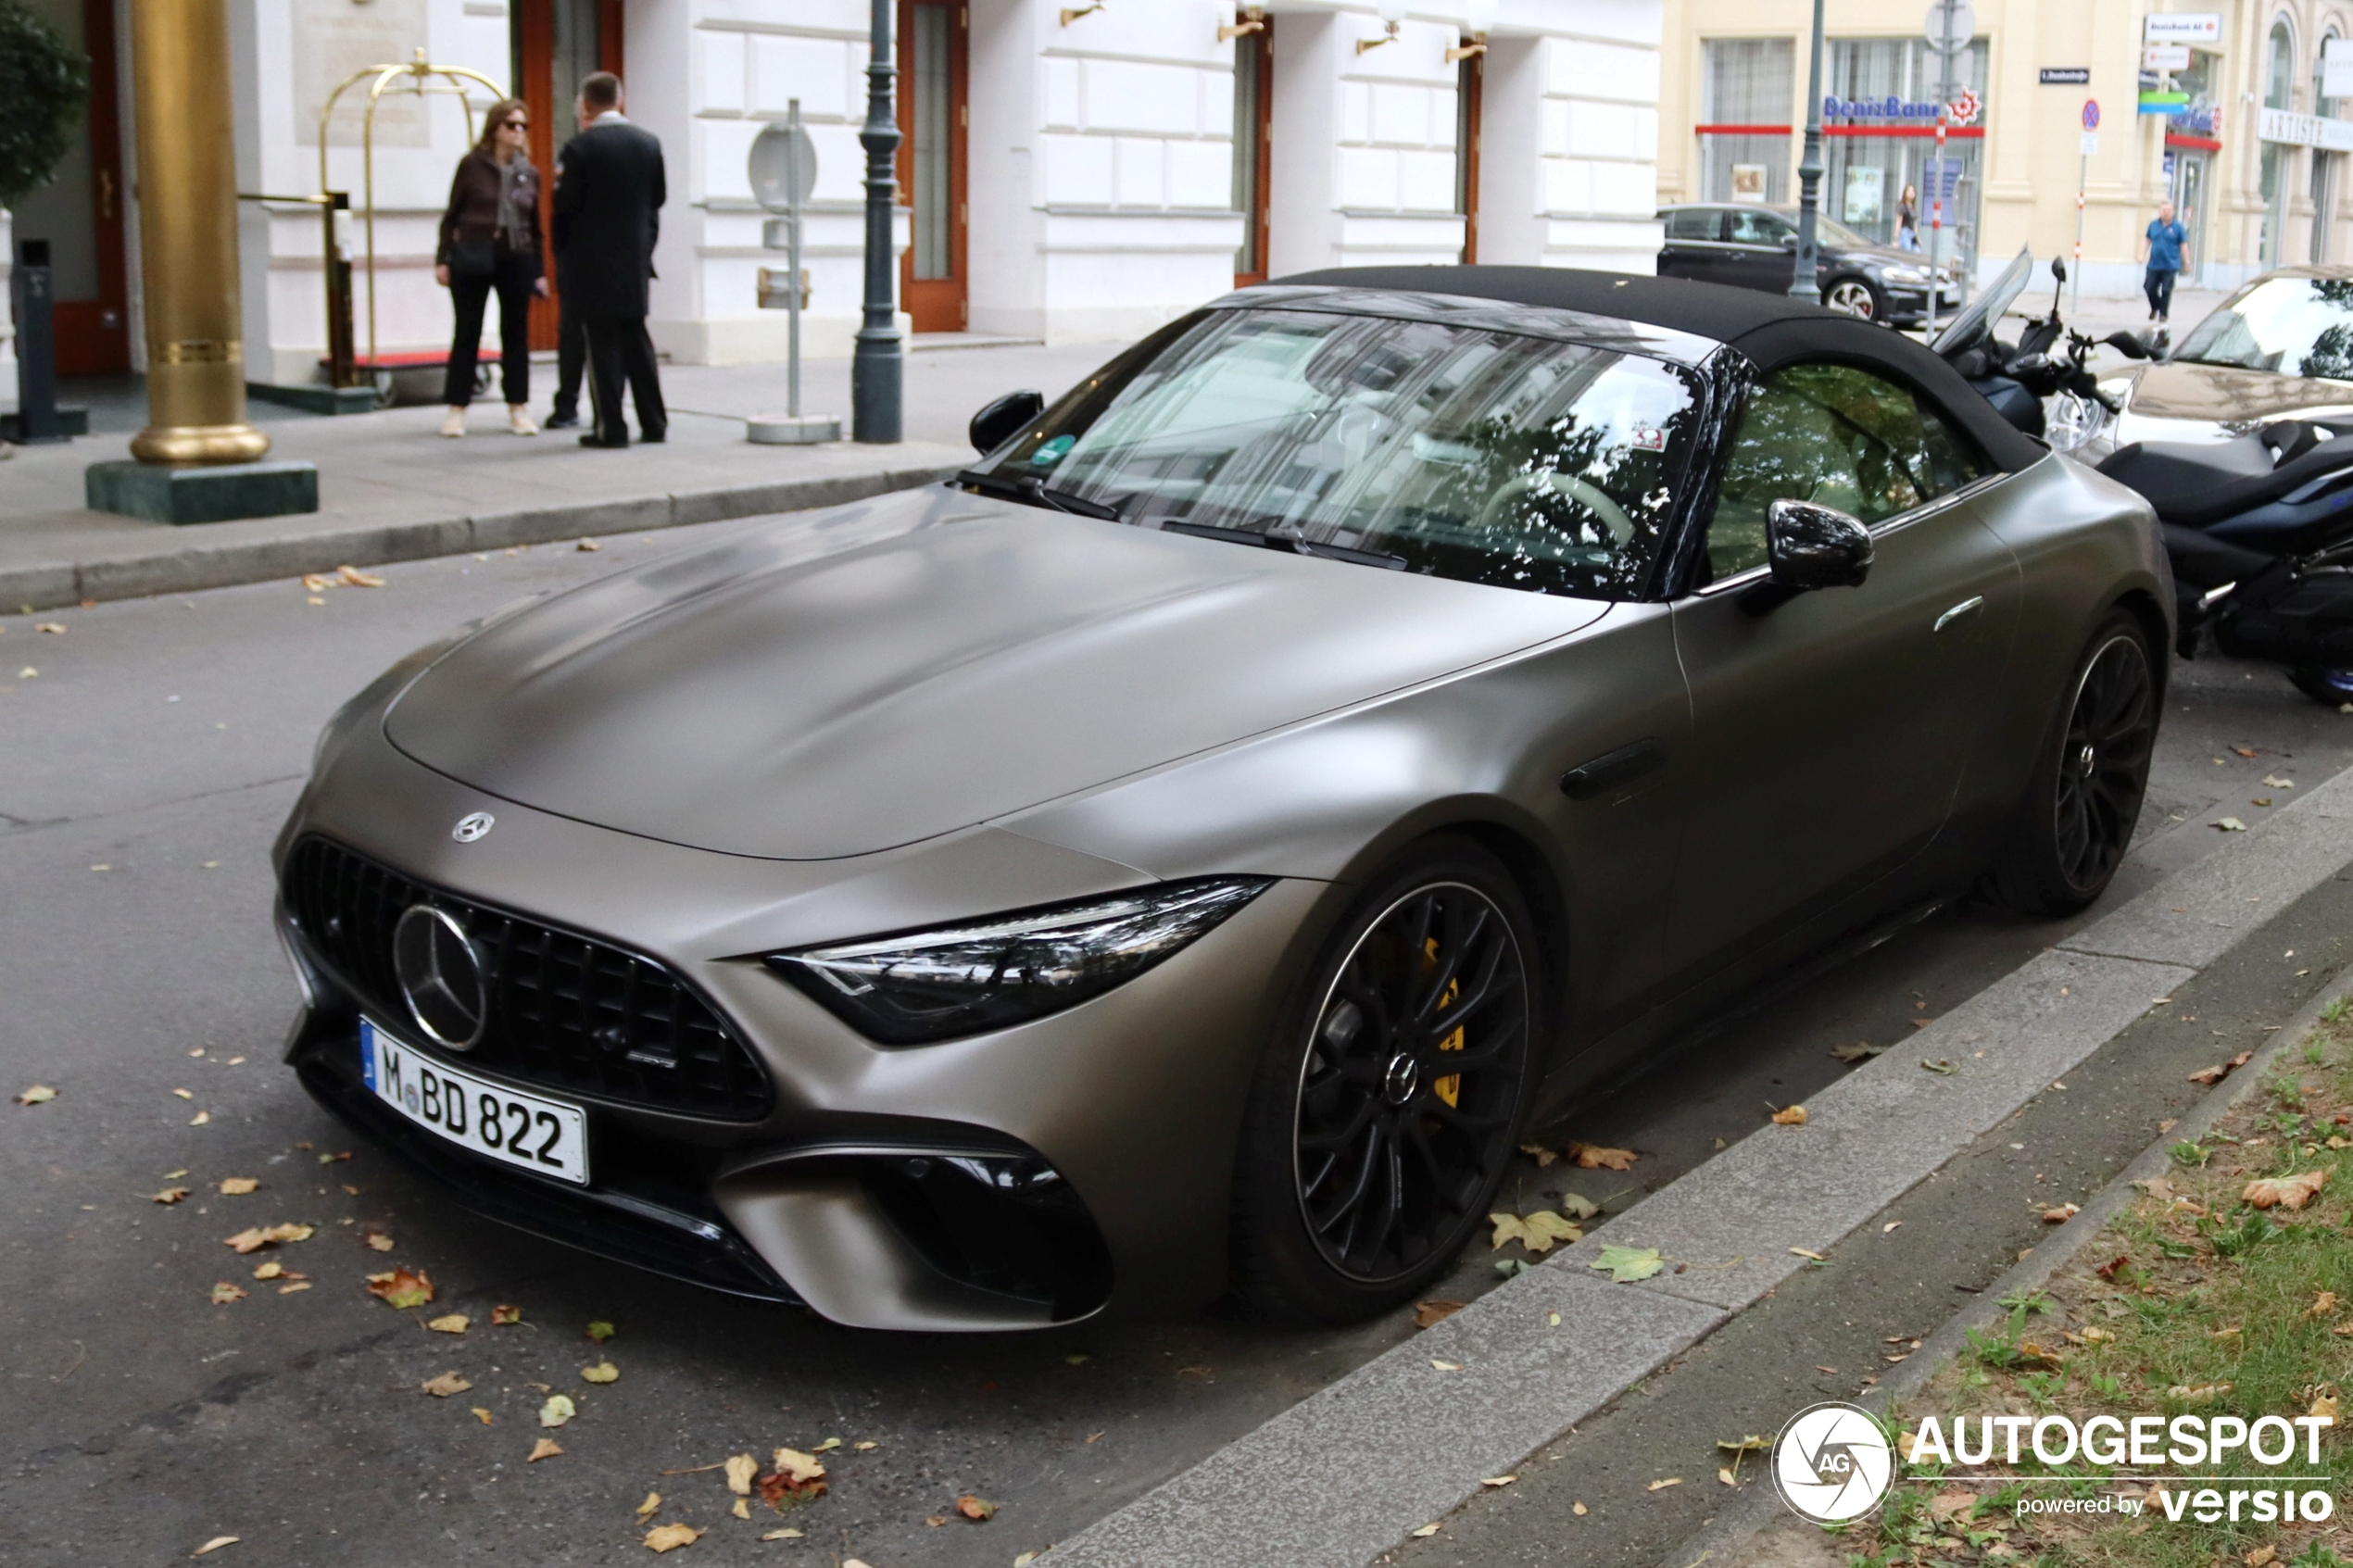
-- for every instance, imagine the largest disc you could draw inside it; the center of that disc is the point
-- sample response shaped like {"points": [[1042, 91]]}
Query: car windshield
{"points": [[2297, 326], [1462, 452], [1829, 231]]}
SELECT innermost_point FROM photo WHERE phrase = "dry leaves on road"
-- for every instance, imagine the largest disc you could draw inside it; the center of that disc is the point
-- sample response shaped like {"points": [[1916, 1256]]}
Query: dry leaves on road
{"points": [[2230, 824], [216, 1544], [40, 1094], [1537, 1153], [237, 1187], [742, 1470], [259, 1236], [978, 1510], [503, 1317], [1860, 1052], [378, 1242], [2209, 1076], [450, 1322], [448, 1383], [403, 1287], [600, 1331], [798, 1475], [547, 1447], [1628, 1264], [603, 1371], [1662, 1486], [1790, 1116], [484, 1416], [1428, 1314], [170, 1195], [2286, 1192], [1539, 1232], [558, 1410], [1592, 1158], [2059, 1214], [670, 1537], [224, 1293], [648, 1508]]}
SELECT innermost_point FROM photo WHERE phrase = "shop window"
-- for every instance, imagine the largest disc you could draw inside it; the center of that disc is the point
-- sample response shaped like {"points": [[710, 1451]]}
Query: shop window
{"points": [[1865, 175], [1744, 139]]}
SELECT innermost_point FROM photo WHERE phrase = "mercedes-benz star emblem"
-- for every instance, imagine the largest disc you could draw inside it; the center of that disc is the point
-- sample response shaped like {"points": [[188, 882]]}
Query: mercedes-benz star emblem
{"points": [[472, 825], [440, 976]]}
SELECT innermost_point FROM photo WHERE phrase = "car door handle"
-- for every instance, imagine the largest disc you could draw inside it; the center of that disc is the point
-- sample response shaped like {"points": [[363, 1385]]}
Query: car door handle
{"points": [[1612, 768], [1967, 607]]}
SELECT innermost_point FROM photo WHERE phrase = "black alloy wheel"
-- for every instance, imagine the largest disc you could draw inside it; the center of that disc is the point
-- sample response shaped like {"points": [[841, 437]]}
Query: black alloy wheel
{"points": [[1365, 1173], [2079, 812]]}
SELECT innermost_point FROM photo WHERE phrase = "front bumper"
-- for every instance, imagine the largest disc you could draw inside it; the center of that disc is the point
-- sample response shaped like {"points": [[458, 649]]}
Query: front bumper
{"points": [[1077, 1164]]}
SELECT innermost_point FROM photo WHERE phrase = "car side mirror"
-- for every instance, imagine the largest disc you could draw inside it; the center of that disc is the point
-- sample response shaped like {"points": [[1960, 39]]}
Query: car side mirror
{"points": [[2127, 344], [1814, 547], [1000, 421]]}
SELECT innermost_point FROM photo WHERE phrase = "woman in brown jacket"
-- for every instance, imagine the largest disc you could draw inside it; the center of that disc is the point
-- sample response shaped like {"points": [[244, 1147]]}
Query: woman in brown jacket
{"points": [[490, 240]]}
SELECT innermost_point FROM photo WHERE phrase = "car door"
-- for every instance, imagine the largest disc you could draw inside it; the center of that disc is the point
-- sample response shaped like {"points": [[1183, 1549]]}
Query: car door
{"points": [[1829, 729], [1759, 250], [1693, 242]]}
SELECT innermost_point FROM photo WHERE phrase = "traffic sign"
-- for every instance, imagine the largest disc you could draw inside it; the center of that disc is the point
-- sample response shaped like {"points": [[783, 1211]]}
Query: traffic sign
{"points": [[2091, 114], [1953, 18], [783, 166]]}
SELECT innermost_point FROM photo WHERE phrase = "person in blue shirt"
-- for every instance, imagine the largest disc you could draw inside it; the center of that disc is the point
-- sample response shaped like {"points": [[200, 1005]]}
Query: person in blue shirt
{"points": [[2164, 249]]}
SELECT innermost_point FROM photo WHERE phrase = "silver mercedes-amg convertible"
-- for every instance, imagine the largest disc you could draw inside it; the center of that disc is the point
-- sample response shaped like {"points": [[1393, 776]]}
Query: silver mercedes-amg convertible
{"points": [[1182, 852]]}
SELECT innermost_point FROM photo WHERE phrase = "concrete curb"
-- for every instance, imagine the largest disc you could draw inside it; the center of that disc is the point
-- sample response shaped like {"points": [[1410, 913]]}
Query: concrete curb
{"points": [[218, 555], [1346, 1474], [1721, 1541]]}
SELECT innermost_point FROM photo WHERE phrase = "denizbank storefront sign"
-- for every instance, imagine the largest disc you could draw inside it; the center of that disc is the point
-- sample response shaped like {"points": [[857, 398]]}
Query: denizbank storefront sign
{"points": [[1962, 110]]}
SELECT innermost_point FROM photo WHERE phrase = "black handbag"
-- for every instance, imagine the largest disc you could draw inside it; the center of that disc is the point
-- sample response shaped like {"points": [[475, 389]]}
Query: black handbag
{"points": [[472, 259]]}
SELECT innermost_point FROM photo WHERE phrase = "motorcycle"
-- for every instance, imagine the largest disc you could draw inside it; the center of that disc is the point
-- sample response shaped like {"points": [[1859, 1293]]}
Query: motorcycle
{"points": [[2259, 528]]}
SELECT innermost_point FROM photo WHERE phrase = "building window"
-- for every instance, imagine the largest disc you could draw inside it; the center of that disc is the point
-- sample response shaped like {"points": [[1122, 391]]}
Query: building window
{"points": [[1744, 141], [2279, 77], [1868, 164], [2323, 163]]}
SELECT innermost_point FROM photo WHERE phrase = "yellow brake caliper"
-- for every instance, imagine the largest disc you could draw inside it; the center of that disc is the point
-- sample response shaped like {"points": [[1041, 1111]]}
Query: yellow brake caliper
{"points": [[1449, 1089]]}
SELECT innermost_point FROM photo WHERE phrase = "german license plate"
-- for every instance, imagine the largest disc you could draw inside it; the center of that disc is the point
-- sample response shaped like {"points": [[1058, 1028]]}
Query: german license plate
{"points": [[541, 1134]]}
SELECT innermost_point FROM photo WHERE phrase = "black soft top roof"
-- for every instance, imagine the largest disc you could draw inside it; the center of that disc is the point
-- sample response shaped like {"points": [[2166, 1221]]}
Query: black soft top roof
{"points": [[1770, 330]]}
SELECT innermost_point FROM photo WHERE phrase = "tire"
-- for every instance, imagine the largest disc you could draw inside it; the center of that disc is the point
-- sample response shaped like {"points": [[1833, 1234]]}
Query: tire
{"points": [[2076, 822], [1854, 297], [2333, 687], [1362, 1172]]}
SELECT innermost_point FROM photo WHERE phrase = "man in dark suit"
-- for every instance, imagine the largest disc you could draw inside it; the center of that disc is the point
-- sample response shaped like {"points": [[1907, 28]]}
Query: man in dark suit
{"points": [[609, 194]]}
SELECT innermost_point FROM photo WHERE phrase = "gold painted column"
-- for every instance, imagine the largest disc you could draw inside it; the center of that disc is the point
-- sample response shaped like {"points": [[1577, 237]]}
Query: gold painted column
{"points": [[187, 180]]}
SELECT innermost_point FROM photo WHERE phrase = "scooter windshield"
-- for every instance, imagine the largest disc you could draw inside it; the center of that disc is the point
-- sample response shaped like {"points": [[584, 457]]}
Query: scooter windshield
{"points": [[1975, 324]]}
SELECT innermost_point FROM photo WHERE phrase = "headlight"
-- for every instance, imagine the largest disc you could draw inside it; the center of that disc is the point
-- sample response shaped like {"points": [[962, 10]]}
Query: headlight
{"points": [[1007, 969], [1916, 277]]}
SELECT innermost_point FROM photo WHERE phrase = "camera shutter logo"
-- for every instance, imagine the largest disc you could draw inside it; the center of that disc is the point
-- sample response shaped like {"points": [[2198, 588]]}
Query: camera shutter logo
{"points": [[1832, 1463], [440, 977], [471, 826]]}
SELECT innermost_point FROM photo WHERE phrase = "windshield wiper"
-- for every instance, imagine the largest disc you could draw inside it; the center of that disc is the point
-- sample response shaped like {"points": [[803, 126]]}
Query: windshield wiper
{"points": [[1291, 542], [1036, 493]]}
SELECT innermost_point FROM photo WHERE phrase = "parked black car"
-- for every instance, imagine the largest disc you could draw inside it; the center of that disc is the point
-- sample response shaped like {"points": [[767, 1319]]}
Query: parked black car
{"points": [[1749, 246]]}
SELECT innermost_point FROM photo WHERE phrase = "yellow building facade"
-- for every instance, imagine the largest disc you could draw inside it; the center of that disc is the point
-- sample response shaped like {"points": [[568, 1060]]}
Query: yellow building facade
{"points": [[2222, 108]]}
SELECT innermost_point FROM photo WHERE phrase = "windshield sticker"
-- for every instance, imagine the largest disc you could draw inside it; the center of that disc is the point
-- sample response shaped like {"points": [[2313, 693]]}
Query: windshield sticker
{"points": [[1648, 438], [1052, 452]]}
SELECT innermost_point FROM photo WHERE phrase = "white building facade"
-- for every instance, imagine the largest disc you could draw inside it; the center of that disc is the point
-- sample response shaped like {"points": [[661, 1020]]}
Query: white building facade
{"points": [[1073, 170]]}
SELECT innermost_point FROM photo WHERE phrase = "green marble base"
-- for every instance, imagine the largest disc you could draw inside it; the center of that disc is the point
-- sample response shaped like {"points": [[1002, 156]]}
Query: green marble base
{"points": [[200, 495]]}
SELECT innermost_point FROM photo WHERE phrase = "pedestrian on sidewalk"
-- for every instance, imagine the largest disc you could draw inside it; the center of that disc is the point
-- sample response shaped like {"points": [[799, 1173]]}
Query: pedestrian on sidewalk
{"points": [[490, 243], [610, 189], [571, 339], [2165, 250], [1908, 220]]}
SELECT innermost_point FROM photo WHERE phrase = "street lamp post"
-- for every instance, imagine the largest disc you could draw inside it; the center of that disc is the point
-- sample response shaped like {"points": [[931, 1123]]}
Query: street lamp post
{"points": [[1806, 281], [876, 370]]}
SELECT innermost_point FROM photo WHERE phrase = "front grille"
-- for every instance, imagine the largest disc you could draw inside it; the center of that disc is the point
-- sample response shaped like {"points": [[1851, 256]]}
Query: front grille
{"points": [[566, 1011]]}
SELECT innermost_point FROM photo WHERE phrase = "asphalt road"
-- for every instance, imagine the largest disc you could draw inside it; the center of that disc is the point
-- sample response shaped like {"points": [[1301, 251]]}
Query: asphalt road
{"points": [[143, 771]]}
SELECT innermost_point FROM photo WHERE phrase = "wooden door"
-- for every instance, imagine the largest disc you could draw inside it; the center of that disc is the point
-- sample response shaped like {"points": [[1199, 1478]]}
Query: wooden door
{"points": [[934, 119], [1253, 111], [92, 332], [555, 43], [1469, 101]]}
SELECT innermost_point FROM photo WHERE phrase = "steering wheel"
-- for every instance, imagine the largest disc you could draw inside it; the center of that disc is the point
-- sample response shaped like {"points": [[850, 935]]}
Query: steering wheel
{"points": [[1592, 496]]}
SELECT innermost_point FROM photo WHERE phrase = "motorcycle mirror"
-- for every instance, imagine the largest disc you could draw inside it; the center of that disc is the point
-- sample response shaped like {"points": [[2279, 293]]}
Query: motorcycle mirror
{"points": [[1002, 420], [2059, 268], [2127, 344]]}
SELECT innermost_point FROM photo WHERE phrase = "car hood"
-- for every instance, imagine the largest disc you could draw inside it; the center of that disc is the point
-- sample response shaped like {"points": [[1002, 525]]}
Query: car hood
{"points": [[910, 666], [2222, 399]]}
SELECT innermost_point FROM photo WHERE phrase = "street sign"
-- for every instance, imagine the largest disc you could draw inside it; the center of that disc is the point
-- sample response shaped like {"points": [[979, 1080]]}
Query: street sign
{"points": [[2065, 76], [2091, 147], [2182, 27], [1953, 18], [2336, 68], [1940, 179], [2091, 114], [783, 166], [2165, 56]]}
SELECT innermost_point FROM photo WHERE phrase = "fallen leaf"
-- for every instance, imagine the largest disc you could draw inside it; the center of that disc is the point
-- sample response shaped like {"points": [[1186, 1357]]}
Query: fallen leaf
{"points": [[1628, 1264], [299, 1284], [2243, 750], [796, 1475], [54, 627], [1859, 1051], [2324, 1408], [2159, 1188], [646, 1508], [403, 1287], [828, 1446], [742, 1470], [589, 545], [865, 1448], [1662, 1486], [1577, 1207], [2198, 1393], [2059, 1214], [170, 1195], [1791, 1116], [600, 1331], [1942, 1066], [224, 1293], [452, 1323], [1423, 1531], [603, 1371], [2323, 1305], [2230, 824], [547, 1447], [42, 1094], [357, 578], [1428, 1314], [483, 1415], [2279, 783], [1537, 1153], [1751, 1444], [1726, 1476], [670, 1537], [2286, 1192], [1447, 1366], [1595, 1159], [1497, 1480], [237, 1187], [269, 1270], [379, 1242], [1539, 1232], [200, 1118], [216, 1544], [448, 1383], [781, 1536], [558, 1410], [978, 1510], [742, 1509], [1577, 1509], [502, 1317], [1804, 1253]]}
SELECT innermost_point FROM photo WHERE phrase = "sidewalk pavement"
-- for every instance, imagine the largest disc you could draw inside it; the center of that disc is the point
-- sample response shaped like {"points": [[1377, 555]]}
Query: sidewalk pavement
{"points": [[390, 488]]}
